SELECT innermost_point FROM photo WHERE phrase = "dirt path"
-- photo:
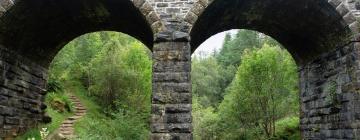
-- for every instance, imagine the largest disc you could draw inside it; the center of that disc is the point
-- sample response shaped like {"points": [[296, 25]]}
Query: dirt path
{"points": [[67, 127]]}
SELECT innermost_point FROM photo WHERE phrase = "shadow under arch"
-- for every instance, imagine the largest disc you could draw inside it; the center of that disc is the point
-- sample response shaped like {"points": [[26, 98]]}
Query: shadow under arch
{"points": [[306, 28], [39, 29]]}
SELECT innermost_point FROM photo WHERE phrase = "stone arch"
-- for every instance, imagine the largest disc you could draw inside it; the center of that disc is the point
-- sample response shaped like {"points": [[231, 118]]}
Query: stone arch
{"points": [[32, 33], [323, 38], [94, 16], [333, 12], [151, 15], [349, 9]]}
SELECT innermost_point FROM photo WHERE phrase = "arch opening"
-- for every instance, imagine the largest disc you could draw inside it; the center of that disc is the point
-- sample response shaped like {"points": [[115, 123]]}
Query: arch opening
{"points": [[306, 28], [89, 79], [33, 32], [239, 79]]}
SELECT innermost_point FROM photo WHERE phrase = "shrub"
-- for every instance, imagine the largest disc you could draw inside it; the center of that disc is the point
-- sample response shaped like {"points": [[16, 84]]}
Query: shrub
{"points": [[120, 126], [59, 102], [288, 129]]}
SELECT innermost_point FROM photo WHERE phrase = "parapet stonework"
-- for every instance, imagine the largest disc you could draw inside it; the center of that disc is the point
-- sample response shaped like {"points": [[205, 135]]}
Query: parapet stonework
{"points": [[172, 8]]}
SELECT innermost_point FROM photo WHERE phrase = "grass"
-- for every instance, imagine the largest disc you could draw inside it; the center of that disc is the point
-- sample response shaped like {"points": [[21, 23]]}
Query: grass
{"points": [[288, 129], [92, 108], [96, 125], [57, 119]]}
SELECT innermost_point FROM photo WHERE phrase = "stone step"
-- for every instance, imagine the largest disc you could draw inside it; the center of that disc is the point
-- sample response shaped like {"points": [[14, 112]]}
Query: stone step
{"points": [[67, 127], [68, 122], [66, 130], [73, 118], [67, 133], [80, 114], [80, 108], [80, 111], [76, 103]]}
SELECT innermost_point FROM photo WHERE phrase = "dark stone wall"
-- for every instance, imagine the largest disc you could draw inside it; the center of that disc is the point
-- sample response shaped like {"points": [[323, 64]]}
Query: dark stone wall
{"points": [[171, 101], [38, 29], [330, 95], [22, 91]]}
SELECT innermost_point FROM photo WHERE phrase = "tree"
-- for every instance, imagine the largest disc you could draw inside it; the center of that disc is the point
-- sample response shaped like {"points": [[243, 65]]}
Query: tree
{"points": [[206, 81], [264, 82], [233, 47], [122, 76]]}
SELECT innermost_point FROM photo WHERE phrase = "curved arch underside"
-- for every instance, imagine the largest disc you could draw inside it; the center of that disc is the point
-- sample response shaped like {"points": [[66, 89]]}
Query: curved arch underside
{"points": [[307, 28], [38, 29]]}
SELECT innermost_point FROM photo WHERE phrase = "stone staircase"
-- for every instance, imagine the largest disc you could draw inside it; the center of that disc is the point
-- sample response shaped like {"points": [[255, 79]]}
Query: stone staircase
{"points": [[67, 127]]}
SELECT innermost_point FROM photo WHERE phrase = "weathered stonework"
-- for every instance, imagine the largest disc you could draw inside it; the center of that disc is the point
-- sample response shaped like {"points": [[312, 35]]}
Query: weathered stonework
{"points": [[330, 95], [171, 101], [22, 92], [172, 8]]}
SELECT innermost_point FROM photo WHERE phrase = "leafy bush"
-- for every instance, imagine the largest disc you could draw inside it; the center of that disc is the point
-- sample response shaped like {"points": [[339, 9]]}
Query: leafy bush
{"points": [[54, 85], [120, 126], [59, 102], [288, 129]]}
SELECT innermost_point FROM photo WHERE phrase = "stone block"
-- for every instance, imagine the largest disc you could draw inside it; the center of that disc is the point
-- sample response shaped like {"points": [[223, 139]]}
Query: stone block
{"points": [[171, 136], [171, 66], [161, 109], [172, 118], [175, 77], [138, 3], [171, 127], [164, 87], [171, 98], [12, 120]]}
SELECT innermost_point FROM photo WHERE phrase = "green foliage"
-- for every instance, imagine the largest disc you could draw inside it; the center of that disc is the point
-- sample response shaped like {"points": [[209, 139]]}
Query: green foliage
{"points": [[233, 47], [206, 81], [287, 129], [263, 87], [263, 92], [121, 126], [332, 97], [125, 80], [57, 119], [97, 125], [205, 123], [111, 73], [59, 102], [54, 85]]}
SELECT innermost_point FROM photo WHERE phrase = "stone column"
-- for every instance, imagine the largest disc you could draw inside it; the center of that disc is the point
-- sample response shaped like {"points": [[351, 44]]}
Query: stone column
{"points": [[171, 101], [22, 94]]}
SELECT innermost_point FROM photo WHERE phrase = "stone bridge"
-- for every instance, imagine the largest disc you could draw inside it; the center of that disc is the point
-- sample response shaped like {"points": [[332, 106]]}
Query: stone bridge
{"points": [[322, 36]]}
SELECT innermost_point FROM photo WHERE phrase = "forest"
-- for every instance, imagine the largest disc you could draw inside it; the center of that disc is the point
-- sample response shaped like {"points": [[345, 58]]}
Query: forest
{"points": [[247, 90]]}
